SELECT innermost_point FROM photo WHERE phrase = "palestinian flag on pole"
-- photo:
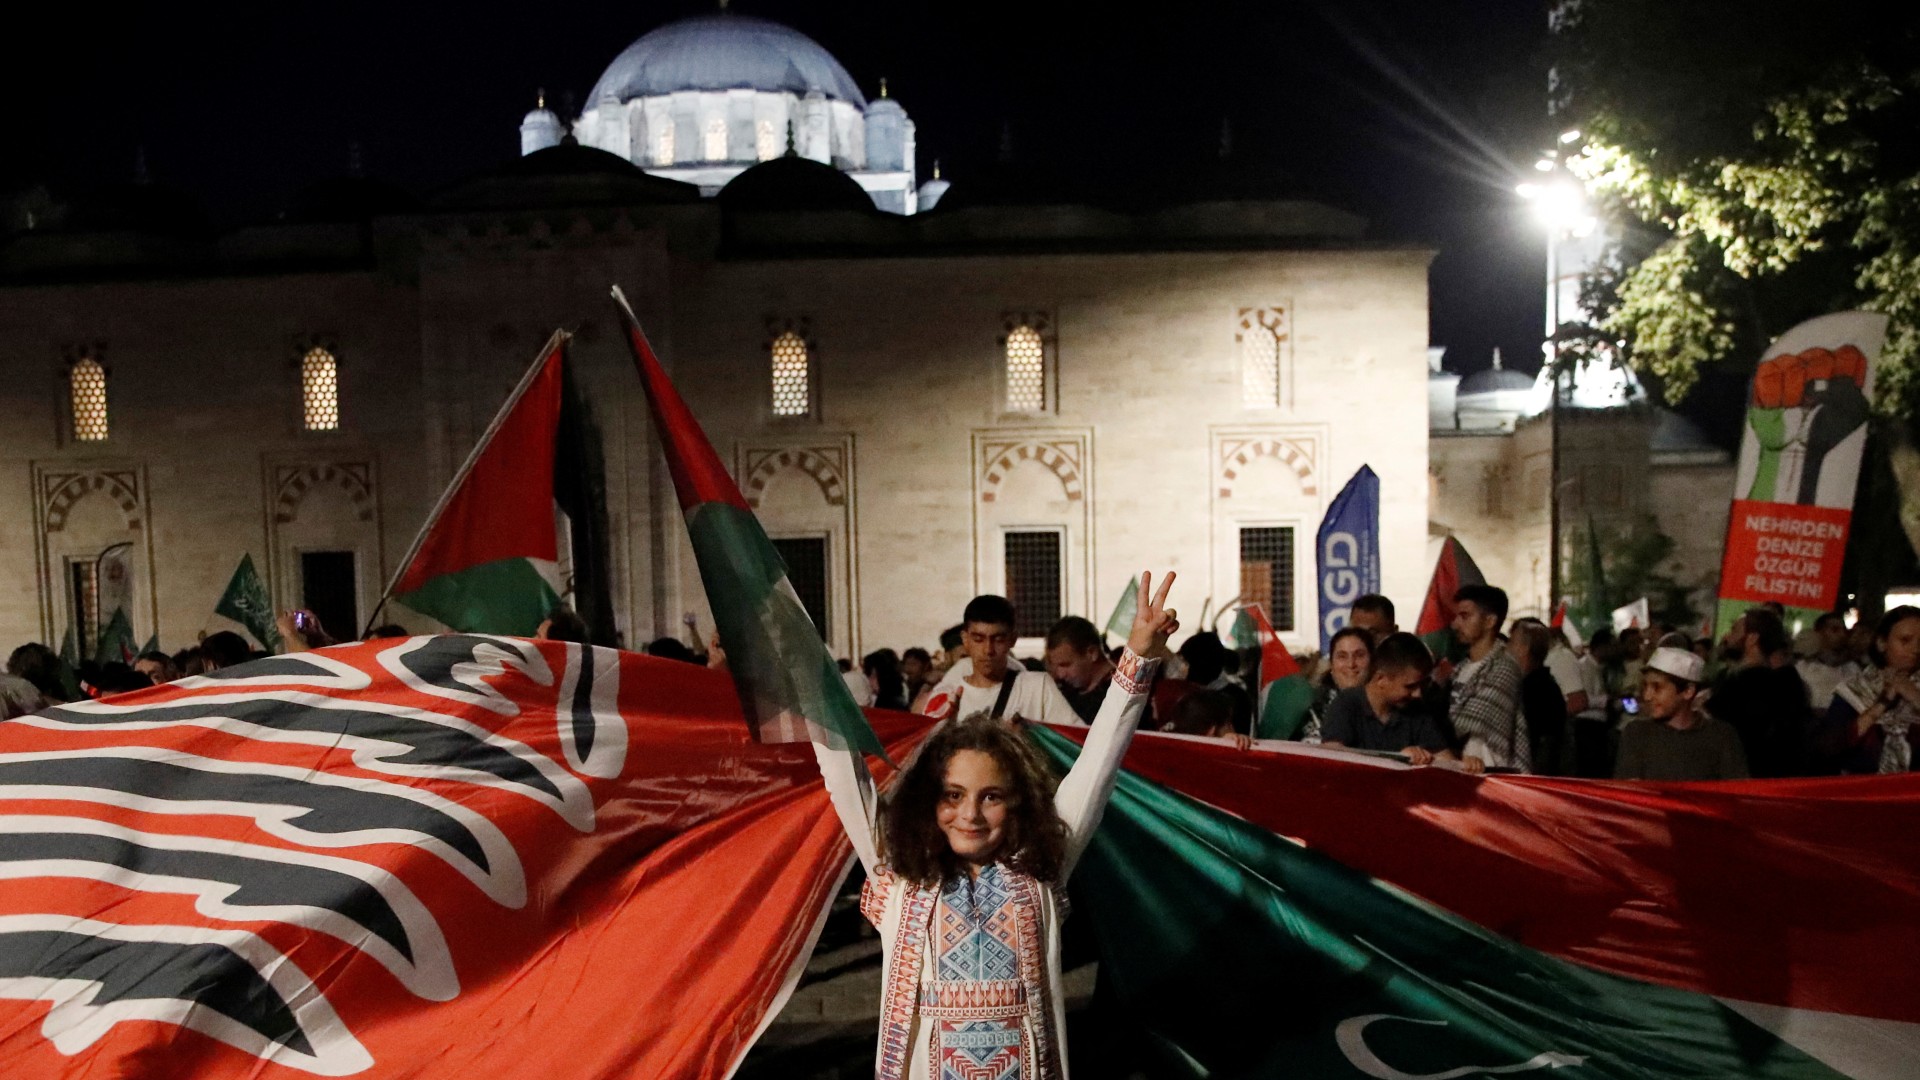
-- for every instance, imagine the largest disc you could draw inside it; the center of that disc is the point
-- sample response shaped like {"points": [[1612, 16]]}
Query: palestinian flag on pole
{"points": [[488, 559], [790, 687], [1454, 569], [1567, 626], [1417, 924], [1284, 692]]}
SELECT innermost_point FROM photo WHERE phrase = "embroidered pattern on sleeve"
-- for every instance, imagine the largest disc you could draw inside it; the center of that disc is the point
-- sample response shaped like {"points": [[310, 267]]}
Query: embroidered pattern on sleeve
{"points": [[1134, 673]]}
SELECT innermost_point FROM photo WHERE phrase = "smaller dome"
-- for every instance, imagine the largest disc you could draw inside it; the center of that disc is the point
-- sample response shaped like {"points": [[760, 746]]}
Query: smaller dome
{"points": [[931, 193], [542, 117], [794, 183], [1494, 380]]}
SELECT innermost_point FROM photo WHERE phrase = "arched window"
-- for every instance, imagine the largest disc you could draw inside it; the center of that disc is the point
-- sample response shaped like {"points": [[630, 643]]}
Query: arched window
{"points": [[1259, 368], [792, 389], [87, 389], [319, 390], [716, 139], [1026, 370], [766, 141], [663, 145]]}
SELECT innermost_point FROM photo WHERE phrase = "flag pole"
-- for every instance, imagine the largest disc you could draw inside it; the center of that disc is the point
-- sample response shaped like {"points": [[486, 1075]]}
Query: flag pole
{"points": [[559, 339]]}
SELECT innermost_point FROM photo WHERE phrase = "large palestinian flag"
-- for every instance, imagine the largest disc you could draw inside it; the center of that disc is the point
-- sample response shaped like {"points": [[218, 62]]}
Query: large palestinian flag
{"points": [[472, 856], [789, 684], [488, 559], [1303, 912]]}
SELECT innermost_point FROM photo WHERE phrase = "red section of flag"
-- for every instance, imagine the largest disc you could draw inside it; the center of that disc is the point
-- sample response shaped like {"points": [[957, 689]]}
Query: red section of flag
{"points": [[1275, 661], [1784, 892], [698, 475], [1454, 569], [1785, 552], [614, 881], [503, 507]]}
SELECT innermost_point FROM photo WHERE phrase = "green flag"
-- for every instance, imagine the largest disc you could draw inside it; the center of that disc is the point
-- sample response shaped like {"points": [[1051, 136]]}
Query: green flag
{"points": [[247, 603], [1234, 951], [70, 666], [152, 645], [116, 640], [1120, 623], [1599, 612]]}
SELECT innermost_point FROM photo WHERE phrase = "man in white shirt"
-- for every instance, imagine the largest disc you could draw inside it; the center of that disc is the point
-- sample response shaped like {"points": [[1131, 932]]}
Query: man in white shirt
{"points": [[1829, 666], [989, 683]]}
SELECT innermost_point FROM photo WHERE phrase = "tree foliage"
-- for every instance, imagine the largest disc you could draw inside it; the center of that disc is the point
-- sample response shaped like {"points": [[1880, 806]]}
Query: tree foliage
{"points": [[1761, 163]]}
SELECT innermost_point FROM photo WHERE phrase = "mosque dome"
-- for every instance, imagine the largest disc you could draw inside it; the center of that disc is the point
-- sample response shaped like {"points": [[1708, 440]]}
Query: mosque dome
{"points": [[726, 52], [794, 183]]}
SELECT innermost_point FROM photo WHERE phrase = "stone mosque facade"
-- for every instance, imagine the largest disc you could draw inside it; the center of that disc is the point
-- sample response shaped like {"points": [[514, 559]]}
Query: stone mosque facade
{"points": [[922, 403]]}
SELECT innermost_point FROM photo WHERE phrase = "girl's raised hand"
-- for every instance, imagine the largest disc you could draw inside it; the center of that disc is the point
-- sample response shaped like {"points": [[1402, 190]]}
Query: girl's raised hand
{"points": [[1153, 621]]}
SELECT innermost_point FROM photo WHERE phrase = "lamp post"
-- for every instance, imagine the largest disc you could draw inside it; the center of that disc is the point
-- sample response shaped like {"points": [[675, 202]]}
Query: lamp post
{"points": [[1559, 204]]}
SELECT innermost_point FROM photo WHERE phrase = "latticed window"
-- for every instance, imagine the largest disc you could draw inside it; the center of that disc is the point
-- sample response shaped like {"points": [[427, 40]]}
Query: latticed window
{"points": [[766, 140], [806, 559], [87, 390], [319, 390], [1026, 371], [1033, 581], [663, 144], [716, 139], [1266, 572], [792, 392], [1259, 368]]}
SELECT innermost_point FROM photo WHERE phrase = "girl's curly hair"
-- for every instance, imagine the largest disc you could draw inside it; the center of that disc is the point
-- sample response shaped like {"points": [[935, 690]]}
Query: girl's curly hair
{"points": [[911, 842]]}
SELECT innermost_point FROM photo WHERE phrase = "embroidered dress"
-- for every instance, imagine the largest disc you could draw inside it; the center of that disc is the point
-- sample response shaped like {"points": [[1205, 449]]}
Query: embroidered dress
{"points": [[971, 965]]}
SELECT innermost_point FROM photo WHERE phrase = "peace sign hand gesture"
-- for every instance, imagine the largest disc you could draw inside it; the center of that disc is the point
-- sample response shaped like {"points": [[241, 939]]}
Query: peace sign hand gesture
{"points": [[1153, 621]]}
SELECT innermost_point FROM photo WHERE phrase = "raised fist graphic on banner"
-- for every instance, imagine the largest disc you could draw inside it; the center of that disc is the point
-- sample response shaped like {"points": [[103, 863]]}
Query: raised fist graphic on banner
{"points": [[1809, 401]]}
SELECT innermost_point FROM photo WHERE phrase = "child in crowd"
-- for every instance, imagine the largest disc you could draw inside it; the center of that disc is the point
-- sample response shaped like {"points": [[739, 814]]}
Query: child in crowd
{"points": [[966, 860]]}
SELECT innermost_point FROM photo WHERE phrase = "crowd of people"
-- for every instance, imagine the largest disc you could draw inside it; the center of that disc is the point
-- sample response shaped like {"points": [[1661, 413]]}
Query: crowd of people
{"points": [[1643, 704]]}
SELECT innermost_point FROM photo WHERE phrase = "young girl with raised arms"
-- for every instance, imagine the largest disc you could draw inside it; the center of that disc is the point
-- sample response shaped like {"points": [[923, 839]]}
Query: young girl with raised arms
{"points": [[967, 858]]}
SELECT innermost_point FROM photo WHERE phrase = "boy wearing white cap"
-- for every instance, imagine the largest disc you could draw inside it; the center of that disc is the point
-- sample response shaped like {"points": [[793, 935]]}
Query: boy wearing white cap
{"points": [[1675, 741]]}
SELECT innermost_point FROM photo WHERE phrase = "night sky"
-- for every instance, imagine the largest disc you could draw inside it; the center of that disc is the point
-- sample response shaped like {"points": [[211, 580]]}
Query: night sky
{"points": [[1420, 116]]}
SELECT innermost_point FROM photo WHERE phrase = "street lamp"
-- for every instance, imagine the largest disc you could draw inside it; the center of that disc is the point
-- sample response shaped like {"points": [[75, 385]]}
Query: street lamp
{"points": [[1559, 205]]}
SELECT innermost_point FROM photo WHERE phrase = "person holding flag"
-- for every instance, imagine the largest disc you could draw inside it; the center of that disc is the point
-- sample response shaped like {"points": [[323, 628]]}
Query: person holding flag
{"points": [[967, 859]]}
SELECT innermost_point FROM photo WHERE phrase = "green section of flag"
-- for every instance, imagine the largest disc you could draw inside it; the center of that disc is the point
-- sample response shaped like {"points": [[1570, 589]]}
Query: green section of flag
{"points": [[247, 603], [1120, 623], [1236, 952], [506, 596], [116, 639], [70, 666], [1245, 632], [1598, 614], [780, 666], [152, 645], [1442, 644], [1285, 709]]}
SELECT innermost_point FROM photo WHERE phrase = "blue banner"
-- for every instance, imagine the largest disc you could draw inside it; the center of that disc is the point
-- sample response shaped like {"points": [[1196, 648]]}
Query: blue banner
{"points": [[1348, 552]]}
